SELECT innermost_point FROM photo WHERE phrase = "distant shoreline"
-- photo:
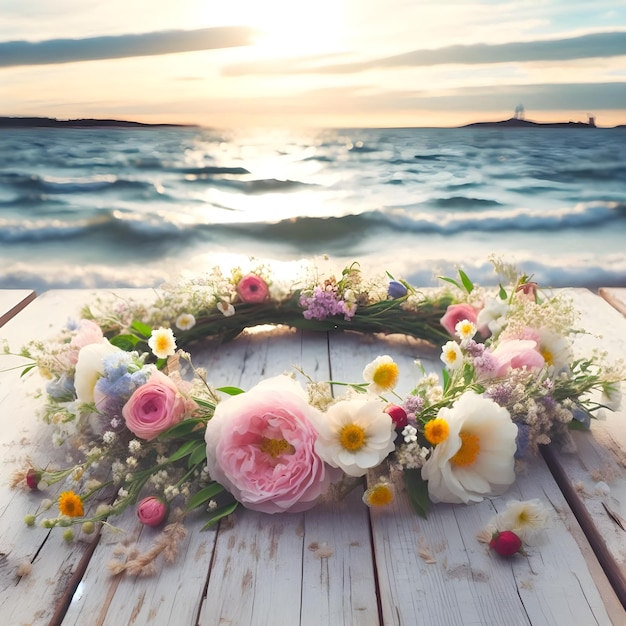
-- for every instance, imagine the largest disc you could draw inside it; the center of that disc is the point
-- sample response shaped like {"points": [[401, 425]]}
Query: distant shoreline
{"points": [[515, 122], [50, 122]]}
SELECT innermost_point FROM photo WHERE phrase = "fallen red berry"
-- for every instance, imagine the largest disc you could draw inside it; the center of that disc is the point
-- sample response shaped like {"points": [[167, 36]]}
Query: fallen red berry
{"points": [[398, 415], [32, 478], [505, 543]]}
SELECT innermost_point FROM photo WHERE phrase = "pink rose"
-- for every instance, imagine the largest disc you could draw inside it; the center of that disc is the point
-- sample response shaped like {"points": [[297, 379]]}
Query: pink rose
{"points": [[261, 448], [152, 511], [515, 354], [457, 313], [154, 407], [252, 288], [529, 290]]}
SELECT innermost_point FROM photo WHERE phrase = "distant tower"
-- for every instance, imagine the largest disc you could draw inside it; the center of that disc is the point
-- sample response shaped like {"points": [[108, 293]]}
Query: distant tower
{"points": [[592, 120], [519, 112]]}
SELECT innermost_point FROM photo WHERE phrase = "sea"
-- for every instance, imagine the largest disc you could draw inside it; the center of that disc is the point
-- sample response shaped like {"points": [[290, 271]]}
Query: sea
{"points": [[120, 207]]}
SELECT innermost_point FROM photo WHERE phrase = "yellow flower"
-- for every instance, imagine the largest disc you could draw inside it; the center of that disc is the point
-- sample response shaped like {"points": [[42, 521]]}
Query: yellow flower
{"points": [[381, 494], [382, 374], [71, 504], [436, 430]]}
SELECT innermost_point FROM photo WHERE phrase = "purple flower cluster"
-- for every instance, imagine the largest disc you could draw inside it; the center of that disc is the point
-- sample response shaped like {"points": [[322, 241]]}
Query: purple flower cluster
{"points": [[325, 303], [413, 405]]}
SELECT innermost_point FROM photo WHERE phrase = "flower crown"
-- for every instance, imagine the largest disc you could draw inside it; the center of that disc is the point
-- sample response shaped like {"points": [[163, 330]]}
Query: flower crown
{"points": [[123, 396]]}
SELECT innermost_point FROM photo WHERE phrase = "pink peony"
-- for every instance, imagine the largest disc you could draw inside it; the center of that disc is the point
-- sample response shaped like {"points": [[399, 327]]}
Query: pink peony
{"points": [[252, 288], [457, 313], [515, 354], [88, 332], [154, 407], [152, 511], [260, 447]]}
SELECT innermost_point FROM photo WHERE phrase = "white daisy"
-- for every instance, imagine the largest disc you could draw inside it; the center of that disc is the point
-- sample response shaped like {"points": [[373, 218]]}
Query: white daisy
{"points": [[185, 321], [477, 457], [354, 435], [162, 343], [381, 374], [451, 355]]}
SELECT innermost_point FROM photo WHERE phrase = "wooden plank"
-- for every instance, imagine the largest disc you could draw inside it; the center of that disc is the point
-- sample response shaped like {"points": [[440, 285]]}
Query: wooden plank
{"points": [[321, 570], [12, 301], [22, 434], [467, 584], [616, 297], [309, 568], [594, 476]]}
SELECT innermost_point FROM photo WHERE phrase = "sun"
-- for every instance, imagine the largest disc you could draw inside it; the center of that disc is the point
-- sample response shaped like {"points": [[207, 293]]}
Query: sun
{"points": [[284, 28]]}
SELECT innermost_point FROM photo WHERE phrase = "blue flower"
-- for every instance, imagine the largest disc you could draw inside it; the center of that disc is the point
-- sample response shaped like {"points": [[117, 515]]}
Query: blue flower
{"points": [[396, 289], [61, 388]]}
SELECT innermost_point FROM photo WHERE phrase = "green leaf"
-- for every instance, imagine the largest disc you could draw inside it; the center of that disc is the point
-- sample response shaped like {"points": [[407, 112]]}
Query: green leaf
{"points": [[198, 455], [187, 448], [451, 281], [231, 391], [125, 342], [204, 495], [502, 293], [417, 490], [467, 283], [184, 429], [204, 403], [141, 329], [218, 514], [27, 369], [445, 374]]}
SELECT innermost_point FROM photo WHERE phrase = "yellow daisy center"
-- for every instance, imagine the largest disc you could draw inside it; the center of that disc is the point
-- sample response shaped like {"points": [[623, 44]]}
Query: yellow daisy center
{"points": [[469, 450], [386, 375], [436, 430], [378, 495], [161, 344], [70, 504], [451, 355], [352, 437], [276, 447], [548, 356], [465, 328]]}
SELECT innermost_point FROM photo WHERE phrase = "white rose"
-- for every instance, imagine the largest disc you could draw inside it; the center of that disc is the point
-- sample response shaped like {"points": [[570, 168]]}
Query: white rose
{"points": [[89, 369]]}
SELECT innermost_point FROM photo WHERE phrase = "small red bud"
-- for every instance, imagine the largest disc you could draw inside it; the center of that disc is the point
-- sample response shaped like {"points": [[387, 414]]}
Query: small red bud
{"points": [[33, 477], [398, 415], [505, 543]]}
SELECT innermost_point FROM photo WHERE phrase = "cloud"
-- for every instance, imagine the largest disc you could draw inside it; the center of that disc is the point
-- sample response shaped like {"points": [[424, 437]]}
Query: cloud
{"points": [[14, 53], [582, 97], [593, 45]]}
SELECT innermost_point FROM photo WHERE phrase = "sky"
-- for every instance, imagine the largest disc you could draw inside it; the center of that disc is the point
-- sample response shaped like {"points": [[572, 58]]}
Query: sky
{"points": [[323, 63]]}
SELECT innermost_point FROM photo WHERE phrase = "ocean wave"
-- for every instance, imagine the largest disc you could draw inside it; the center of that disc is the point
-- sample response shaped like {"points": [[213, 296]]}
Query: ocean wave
{"points": [[126, 227], [48, 185], [210, 170], [251, 187], [415, 219]]}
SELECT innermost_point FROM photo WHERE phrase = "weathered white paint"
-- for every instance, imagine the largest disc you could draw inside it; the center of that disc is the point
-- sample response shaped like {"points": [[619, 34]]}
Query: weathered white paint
{"points": [[12, 301], [615, 296], [312, 568], [599, 460]]}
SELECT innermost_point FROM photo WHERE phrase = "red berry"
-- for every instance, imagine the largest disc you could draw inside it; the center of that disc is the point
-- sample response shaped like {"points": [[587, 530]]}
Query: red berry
{"points": [[505, 543], [398, 415], [33, 477]]}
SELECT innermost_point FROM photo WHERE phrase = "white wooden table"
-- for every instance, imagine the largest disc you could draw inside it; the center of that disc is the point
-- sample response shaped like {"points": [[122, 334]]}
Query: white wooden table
{"points": [[339, 563], [12, 301]]}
